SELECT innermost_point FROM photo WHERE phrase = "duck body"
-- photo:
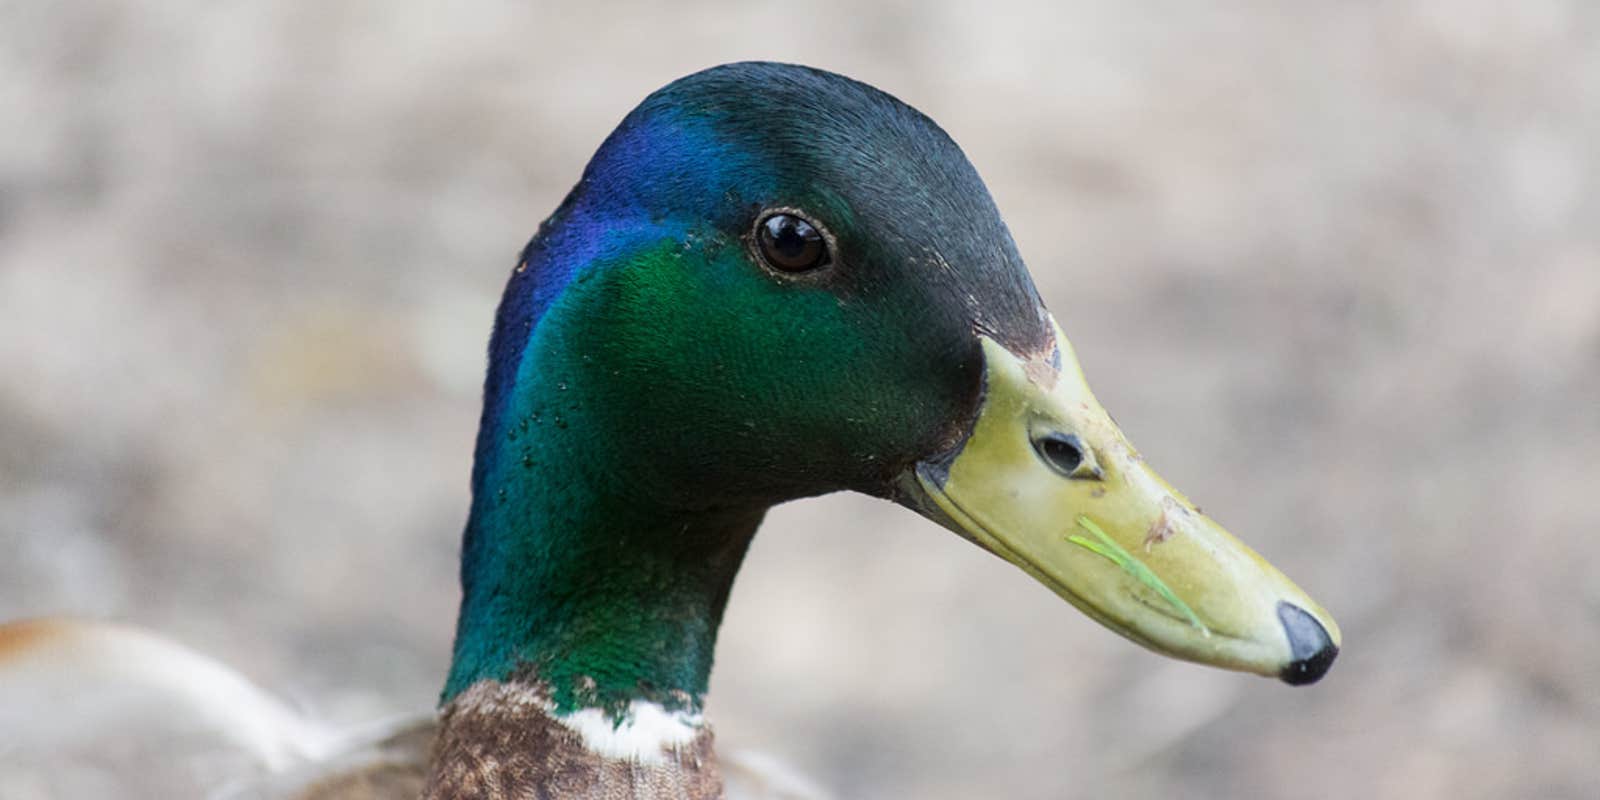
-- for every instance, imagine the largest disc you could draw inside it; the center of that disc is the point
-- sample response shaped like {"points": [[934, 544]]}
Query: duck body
{"points": [[773, 282]]}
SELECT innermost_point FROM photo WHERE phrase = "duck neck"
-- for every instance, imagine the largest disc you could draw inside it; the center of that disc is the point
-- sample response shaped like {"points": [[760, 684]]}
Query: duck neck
{"points": [[584, 642], [575, 583], [597, 559], [587, 567]]}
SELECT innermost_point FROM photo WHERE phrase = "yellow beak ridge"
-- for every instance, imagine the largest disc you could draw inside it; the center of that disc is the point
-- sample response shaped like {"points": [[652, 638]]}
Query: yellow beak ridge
{"points": [[1047, 481]]}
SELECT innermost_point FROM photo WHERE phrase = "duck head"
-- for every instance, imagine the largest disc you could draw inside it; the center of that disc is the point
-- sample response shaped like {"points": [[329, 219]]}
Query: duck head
{"points": [[774, 282]]}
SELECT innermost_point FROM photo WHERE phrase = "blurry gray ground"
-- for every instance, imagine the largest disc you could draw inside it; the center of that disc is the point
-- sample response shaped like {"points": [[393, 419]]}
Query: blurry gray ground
{"points": [[1335, 267]]}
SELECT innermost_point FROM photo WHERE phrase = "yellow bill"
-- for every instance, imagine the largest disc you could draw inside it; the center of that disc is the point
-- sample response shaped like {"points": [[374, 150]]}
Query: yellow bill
{"points": [[1048, 482]]}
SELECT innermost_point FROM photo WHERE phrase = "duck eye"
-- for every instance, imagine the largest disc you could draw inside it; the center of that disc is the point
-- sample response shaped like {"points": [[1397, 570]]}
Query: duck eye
{"points": [[791, 244], [1067, 454]]}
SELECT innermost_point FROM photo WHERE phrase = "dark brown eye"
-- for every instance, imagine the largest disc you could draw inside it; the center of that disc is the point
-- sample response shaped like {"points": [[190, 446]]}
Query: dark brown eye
{"points": [[791, 244]]}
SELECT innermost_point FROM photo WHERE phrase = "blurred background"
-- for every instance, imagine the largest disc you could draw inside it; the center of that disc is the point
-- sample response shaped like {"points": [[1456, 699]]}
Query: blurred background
{"points": [[1335, 268]]}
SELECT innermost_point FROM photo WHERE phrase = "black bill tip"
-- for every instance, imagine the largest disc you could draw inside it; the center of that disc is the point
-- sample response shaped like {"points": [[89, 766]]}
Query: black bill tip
{"points": [[1309, 645]]}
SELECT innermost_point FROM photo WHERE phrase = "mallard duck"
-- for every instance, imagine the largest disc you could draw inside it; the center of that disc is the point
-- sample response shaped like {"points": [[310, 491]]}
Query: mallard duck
{"points": [[771, 282]]}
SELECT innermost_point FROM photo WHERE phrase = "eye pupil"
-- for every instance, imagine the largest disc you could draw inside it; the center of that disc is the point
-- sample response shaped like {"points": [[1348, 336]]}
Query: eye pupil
{"points": [[791, 244]]}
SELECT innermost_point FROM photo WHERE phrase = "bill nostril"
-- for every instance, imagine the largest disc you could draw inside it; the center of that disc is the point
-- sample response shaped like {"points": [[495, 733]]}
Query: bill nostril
{"points": [[1067, 454], [1310, 647], [1062, 451]]}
